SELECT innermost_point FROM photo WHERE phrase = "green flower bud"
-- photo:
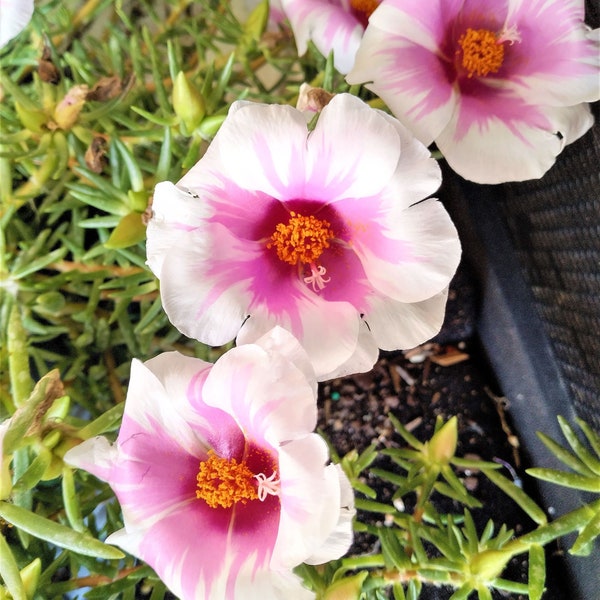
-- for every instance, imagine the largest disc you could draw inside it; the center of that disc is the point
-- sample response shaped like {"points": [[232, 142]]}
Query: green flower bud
{"points": [[348, 588], [442, 446], [188, 102]]}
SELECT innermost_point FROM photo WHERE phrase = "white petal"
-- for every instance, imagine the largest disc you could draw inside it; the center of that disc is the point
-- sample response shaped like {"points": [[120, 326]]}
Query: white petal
{"points": [[267, 395], [16, 14], [399, 326], [352, 152], [341, 536], [496, 150], [174, 211], [262, 147], [328, 331], [96, 455], [363, 358], [417, 175], [175, 371], [430, 257], [195, 297], [148, 402], [310, 501], [282, 342]]}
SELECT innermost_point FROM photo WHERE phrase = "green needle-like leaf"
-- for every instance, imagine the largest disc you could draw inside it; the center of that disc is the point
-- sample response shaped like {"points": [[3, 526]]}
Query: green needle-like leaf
{"points": [[57, 534], [518, 495], [10, 572], [537, 572], [570, 480], [584, 543]]}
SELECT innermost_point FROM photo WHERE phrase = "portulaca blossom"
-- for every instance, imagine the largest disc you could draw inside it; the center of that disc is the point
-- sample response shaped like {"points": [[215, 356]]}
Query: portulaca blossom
{"points": [[14, 17], [323, 233], [501, 86], [336, 25], [223, 486]]}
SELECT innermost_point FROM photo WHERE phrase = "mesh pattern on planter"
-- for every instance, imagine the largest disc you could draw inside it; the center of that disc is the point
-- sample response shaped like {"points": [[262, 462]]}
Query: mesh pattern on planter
{"points": [[555, 226]]}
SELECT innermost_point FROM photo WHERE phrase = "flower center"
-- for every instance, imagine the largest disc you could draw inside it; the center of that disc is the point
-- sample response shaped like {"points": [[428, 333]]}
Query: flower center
{"points": [[301, 240], [482, 52], [225, 481], [365, 7]]}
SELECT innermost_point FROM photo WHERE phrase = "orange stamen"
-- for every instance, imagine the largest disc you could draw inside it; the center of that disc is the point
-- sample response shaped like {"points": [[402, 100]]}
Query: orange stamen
{"points": [[224, 482], [482, 52], [301, 240]]}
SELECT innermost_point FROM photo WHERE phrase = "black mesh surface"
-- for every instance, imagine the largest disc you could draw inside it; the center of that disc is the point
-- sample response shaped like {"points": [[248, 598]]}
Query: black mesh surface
{"points": [[554, 223]]}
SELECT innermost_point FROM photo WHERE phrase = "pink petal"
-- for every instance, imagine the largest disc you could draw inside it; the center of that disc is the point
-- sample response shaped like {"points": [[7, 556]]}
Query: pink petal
{"points": [[420, 94], [202, 299], [414, 256], [329, 25], [557, 61]]}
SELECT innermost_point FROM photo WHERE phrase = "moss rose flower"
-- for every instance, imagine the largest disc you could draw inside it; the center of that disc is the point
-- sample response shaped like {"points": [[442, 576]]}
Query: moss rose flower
{"points": [[322, 232], [501, 86], [223, 486]]}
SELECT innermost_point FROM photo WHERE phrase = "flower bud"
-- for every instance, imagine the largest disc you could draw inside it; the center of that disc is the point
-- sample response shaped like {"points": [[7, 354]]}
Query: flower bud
{"points": [[67, 110], [188, 102], [348, 588], [442, 446]]}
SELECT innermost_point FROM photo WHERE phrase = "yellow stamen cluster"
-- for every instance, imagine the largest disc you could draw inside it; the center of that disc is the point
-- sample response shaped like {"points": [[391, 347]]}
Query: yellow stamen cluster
{"points": [[224, 482], [302, 239], [366, 7], [482, 53]]}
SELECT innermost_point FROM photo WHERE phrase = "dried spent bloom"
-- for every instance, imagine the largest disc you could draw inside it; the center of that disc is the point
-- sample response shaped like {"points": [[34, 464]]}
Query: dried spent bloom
{"points": [[323, 233], [336, 25], [223, 486], [14, 17], [500, 86]]}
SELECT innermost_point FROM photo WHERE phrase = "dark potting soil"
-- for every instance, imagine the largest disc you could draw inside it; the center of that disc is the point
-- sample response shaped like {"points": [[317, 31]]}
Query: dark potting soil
{"points": [[446, 377]]}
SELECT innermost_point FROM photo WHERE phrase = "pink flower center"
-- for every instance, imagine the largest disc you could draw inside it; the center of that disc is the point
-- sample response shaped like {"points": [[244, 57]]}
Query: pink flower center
{"points": [[482, 52], [225, 481], [302, 241]]}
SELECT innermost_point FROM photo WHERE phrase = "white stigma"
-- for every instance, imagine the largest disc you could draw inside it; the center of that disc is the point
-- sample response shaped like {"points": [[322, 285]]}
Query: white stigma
{"points": [[267, 486], [509, 34], [316, 278]]}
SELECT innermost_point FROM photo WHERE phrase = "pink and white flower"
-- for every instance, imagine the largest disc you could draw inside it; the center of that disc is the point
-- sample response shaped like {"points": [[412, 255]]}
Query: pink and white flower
{"points": [[323, 233], [14, 17], [336, 25], [223, 486], [501, 86]]}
